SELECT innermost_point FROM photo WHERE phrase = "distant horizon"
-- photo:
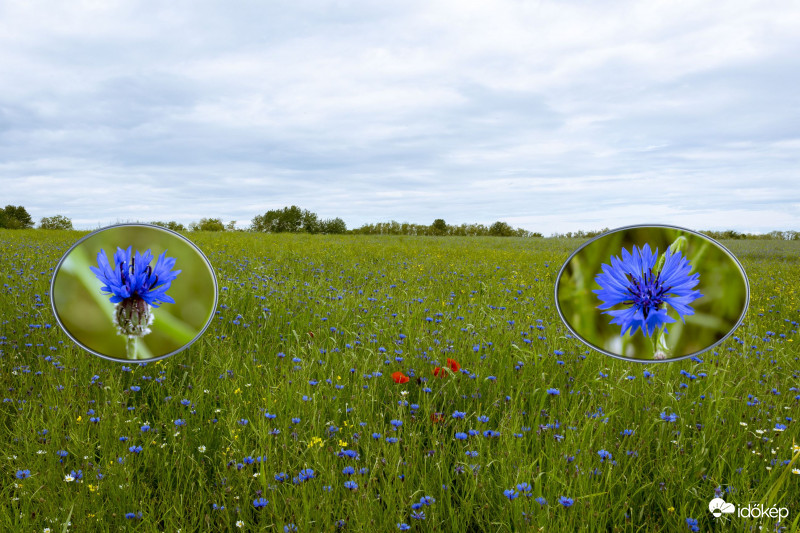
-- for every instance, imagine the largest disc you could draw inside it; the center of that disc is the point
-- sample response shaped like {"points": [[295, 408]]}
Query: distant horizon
{"points": [[242, 226]]}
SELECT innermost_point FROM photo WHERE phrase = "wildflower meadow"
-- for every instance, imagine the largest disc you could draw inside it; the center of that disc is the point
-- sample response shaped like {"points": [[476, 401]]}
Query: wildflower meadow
{"points": [[393, 383]]}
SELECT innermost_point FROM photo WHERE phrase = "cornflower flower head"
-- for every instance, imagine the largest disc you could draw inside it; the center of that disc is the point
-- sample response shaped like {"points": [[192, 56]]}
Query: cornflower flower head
{"points": [[634, 283], [131, 276], [135, 286], [524, 487], [668, 417]]}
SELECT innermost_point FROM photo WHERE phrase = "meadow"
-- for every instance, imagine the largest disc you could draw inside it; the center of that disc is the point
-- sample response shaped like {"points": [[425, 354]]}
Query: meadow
{"points": [[367, 383]]}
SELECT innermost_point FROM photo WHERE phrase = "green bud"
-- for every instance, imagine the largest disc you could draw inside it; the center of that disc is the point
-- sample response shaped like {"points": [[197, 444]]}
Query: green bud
{"points": [[679, 245]]}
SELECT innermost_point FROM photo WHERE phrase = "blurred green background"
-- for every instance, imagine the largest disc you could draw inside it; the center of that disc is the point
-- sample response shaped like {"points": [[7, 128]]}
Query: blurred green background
{"points": [[88, 315], [722, 283]]}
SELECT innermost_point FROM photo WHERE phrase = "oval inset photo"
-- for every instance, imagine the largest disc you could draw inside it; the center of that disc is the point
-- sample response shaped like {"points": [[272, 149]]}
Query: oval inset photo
{"points": [[134, 292], [652, 293]]}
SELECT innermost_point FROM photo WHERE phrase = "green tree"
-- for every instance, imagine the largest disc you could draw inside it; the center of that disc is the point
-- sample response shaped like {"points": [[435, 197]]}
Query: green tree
{"points": [[333, 226], [439, 227], [174, 226], [287, 220], [501, 229], [56, 222], [15, 217], [207, 224]]}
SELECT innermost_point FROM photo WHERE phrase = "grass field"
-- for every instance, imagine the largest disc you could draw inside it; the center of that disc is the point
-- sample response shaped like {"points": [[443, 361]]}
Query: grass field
{"points": [[289, 397]]}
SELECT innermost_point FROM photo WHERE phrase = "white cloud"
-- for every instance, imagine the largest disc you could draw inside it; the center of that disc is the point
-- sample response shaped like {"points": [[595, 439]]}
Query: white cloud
{"points": [[554, 116]]}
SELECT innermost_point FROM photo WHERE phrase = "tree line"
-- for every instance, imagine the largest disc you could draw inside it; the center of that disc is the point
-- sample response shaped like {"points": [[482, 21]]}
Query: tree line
{"points": [[296, 220]]}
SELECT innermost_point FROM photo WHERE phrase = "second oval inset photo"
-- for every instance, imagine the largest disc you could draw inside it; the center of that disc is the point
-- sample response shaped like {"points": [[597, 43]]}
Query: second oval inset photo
{"points": [[652, 293]]}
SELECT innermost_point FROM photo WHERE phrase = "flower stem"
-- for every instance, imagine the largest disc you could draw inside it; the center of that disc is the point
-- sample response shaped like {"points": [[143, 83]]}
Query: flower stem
{"points": [[130, 347]]}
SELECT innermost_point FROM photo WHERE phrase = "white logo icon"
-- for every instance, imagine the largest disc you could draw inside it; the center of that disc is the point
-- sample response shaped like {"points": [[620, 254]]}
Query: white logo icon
{"points": [[718, 507]]}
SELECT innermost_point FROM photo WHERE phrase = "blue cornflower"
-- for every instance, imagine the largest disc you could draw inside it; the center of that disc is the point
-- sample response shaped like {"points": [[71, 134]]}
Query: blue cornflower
{"points": [[541, 501], [524, 487], [566, 502], [22, 474], [553, 392], [418, 515], [510, 494], [461, 436], [260, 502], [691, 523], [131, 276], [632, 282], [352, 485], [671, 417], [352, 454], [289, 527], [403, 527]]}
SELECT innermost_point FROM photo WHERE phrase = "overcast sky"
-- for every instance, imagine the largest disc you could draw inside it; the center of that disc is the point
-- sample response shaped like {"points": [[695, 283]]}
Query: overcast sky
{"points": [[552, 116]]}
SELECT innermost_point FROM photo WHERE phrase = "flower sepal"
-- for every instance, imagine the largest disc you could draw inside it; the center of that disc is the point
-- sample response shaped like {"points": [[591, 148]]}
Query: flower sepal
{"points": [[133, 317]]}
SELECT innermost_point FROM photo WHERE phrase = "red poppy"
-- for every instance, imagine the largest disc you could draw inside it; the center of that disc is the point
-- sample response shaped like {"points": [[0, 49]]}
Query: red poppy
{"points": [[439, 372], [311, 334], [437, 417], [453, 365], [399, 377]]}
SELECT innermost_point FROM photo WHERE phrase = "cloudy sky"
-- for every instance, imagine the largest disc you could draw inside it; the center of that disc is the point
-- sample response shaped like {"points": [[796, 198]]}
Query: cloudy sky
{"points": [[550, 115]]}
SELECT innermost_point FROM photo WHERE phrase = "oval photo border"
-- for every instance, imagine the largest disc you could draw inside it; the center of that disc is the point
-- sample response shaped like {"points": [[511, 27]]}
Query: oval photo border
{"points": [[667, 226], [134, 361]]}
